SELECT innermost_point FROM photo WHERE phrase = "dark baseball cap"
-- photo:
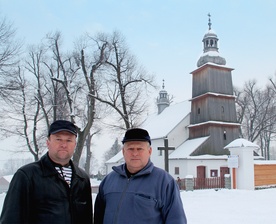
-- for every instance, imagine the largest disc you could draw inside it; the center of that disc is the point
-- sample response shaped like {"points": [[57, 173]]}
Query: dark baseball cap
{"points": [[136, 134], [62, 125]]}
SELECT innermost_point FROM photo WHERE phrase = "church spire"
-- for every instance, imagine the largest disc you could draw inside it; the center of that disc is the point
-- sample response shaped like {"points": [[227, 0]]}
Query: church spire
{"points": [[210, 48], [163, 99]]}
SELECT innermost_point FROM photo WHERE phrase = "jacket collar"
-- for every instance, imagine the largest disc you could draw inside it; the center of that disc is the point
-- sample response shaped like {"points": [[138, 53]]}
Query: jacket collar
{"points": [[48, 168], [122, 169]]}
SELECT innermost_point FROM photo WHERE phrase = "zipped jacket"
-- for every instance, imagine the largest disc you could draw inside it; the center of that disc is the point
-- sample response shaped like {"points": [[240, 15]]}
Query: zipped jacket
{"points": [[38, 194], [151, 196]]}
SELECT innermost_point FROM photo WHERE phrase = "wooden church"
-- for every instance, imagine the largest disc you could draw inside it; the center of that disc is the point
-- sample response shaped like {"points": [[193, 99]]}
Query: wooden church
{"points": [[191, 140]]}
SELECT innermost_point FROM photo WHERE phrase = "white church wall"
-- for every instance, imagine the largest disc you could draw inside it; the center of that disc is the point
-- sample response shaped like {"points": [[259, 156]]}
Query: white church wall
{"points": [[156, 158], [189, 166], [117, 163], [181, 164], [109, 167], [180, 133], [175, 138]]}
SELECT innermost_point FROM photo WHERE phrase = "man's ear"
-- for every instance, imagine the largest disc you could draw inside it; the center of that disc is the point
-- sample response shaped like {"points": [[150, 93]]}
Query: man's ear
{"points": [[150, 150], [47, 141]]}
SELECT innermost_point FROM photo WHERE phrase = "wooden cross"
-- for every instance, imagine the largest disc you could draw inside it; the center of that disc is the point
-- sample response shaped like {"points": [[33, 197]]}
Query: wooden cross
{"points": [[166, 148]]}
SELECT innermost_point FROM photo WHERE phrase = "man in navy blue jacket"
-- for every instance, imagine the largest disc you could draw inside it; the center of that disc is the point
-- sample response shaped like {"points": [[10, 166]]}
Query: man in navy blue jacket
{"points": [[137, 191]]}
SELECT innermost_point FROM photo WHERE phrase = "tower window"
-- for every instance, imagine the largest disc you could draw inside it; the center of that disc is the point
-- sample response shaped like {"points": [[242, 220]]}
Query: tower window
{"points": [[198, 110], [212, 43], [224, 135], [176, 170], [213, 173], [222, 109]]}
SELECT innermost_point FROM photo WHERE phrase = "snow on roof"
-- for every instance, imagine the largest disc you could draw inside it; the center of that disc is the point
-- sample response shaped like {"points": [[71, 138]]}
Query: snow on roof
{"points": [[160, 125], [8, 178], [264, 162], [213, 94], [214, 122], [187, 148], [211, 53], [241, 142], [212, 64], [116, 158], [210, 157]]}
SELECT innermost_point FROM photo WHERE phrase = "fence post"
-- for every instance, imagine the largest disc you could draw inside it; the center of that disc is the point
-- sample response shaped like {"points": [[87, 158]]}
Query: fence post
{"points": [[227, 181], [189, 183], [244, 174]]}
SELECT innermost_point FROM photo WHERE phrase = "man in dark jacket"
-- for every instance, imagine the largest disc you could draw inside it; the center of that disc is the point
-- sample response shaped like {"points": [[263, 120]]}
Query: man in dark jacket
{"points": [[51, 190], [137, 191]]}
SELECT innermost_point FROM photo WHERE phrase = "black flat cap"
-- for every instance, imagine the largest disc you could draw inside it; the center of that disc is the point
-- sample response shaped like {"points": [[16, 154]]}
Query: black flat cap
{"points": [[136, 134], [62, 125]]}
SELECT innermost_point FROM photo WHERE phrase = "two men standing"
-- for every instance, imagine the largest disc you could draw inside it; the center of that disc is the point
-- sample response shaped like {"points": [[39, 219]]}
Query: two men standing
{"points": [[54, 190]]}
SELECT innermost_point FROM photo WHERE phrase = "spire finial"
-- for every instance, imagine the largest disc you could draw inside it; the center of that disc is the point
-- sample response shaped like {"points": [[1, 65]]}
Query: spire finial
{"points": [[163, 86], [209, 24]]}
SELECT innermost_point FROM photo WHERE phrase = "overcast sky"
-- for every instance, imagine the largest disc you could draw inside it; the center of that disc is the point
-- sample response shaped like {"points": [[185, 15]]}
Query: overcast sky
{"points": [[165, 35]]}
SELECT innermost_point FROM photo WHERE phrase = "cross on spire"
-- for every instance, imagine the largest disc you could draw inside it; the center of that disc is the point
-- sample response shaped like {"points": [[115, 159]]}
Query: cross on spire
{"points": [[209, 24], [166, 148]]}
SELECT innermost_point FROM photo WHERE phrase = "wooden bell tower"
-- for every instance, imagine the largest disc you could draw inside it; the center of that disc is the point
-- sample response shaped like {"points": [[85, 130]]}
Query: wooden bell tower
{"points": [[213, 110]]}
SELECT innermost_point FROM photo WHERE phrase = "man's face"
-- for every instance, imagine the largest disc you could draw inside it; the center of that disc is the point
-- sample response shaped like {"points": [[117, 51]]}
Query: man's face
{"points": [[61, 147], [136, 154]]}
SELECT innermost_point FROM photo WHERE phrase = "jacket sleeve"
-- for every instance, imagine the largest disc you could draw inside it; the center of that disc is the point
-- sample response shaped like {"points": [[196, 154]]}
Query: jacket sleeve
{"points": [[89, 216], [16, 207], [99, 207], [173, 211]]}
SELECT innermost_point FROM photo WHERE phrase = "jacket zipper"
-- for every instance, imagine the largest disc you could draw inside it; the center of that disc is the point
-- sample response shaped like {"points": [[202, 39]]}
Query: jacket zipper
{"points": [[121, 200]]}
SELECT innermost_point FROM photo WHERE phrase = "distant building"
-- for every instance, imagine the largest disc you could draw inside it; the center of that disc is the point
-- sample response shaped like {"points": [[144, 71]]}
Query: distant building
{"points": [[4, 183]]}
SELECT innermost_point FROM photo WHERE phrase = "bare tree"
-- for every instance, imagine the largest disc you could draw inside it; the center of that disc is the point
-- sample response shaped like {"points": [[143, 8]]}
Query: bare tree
{"points": [[59, 86], [125, 83], [90, 60], [256, 113], [9, 55], [76, 85], [73, 75], [23, 114]]}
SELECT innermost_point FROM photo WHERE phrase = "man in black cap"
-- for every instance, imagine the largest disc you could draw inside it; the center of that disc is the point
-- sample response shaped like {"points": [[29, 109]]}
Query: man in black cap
{"points": [[137, 191], [51, 190]]}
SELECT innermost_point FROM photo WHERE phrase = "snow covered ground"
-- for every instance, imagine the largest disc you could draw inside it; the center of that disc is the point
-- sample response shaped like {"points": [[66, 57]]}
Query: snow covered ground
{"points": [[225, 206], [230, 206]]}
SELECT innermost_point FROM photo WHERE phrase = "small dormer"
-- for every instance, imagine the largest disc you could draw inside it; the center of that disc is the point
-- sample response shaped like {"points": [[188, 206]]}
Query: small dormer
{"points": [[163, 99]]}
